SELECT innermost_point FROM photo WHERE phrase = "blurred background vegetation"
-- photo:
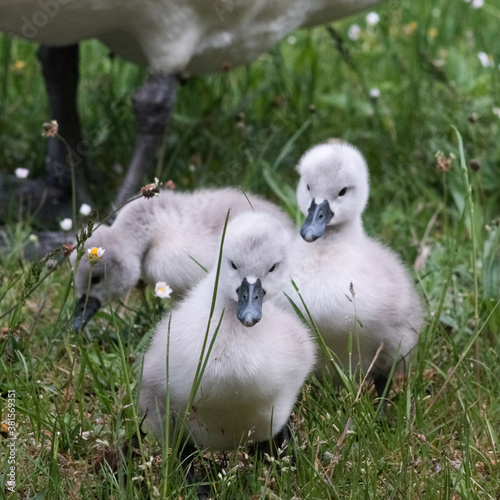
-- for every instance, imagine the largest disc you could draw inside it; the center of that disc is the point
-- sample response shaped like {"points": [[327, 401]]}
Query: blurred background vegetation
{"points": [[422, 58]]}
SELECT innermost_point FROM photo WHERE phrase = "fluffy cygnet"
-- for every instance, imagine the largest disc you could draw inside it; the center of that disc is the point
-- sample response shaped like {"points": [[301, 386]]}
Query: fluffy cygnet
{"points": [[353, 286], [166, 238], [261, 355]]}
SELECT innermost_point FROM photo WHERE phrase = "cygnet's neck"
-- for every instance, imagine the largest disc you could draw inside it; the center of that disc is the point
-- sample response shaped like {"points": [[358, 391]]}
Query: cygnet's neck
{"points": [[136, 243], [142, 223], [351, 231]]}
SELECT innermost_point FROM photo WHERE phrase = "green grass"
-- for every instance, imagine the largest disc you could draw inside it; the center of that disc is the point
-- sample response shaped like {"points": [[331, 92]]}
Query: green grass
{"points": [[76, 395]]}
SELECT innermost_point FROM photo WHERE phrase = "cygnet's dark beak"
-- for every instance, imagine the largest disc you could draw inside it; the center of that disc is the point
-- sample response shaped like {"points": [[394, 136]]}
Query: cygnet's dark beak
{"points": [[85, 311], [317, 219], [250, 302]]}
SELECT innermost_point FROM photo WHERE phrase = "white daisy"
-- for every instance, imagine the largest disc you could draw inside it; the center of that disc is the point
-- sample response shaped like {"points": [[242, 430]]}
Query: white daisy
{"points": [[162, 290], [66, 224], [485, 60], [354, 32], [94, 254], [85, 209], [372, 18], [21, 173]]}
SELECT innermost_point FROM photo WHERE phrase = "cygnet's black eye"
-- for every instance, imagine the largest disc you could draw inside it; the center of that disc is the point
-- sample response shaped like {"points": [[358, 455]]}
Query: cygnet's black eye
{"points": [[233, 265], [273, 268], [343, 191], [308, 188], [95, 280]]}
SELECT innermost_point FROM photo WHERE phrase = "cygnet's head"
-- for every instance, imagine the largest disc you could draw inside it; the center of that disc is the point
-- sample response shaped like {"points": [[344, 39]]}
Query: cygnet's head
{"points": [[254, 263], [106, 280], [333, 187]]}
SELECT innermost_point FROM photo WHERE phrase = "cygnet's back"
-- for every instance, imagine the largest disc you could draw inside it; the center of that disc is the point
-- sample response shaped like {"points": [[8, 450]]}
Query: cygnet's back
{"points": [[170, 238], [354, 286], [260, 357]]}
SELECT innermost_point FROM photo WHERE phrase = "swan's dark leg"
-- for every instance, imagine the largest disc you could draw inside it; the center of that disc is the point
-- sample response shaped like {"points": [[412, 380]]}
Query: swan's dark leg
{"points": [[187, 455], [61, 74], [50, 199], [152, 104]]}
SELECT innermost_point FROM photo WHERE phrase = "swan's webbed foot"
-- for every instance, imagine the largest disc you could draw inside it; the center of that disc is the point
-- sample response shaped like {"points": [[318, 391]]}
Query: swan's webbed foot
{"points": [[277, 446], [383, 387], [187, 456]]}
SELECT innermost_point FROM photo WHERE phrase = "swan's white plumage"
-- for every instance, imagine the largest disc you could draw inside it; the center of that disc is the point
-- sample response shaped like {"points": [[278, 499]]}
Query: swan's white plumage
{"points": [[385, 302], [160, 239], [253, 374], [173, 36]]}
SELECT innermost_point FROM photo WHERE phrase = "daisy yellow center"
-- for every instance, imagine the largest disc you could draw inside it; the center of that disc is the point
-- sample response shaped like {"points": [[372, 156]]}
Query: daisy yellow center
{"points": [[161, 289], [94, 251]]}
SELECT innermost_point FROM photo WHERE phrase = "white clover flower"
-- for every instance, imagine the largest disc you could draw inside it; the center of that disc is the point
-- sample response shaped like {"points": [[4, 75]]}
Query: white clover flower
{"points": [[291, 40], [162, 290], [372, 18], [374, 93], [85, 209], [485, 60], [477, 4], [21, 173], [66, 224], [94, 254], [354, 32]]}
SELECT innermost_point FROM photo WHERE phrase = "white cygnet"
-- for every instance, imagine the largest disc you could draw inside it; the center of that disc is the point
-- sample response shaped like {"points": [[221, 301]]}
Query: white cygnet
{"points": [[356, 289], [260, 357], [173, 237]]}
